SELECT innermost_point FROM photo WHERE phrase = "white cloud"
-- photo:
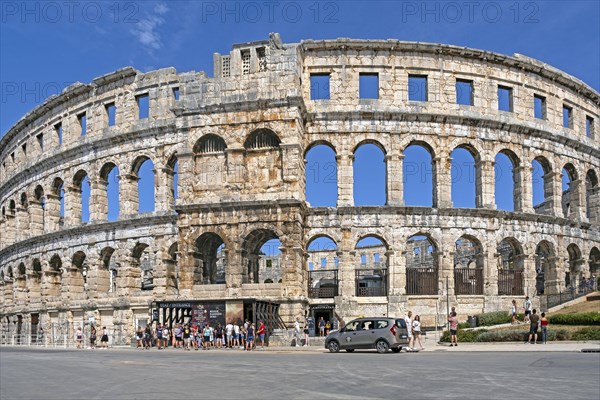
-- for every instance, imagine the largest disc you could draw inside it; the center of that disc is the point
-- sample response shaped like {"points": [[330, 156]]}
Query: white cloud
{"points": [[146, 30]]}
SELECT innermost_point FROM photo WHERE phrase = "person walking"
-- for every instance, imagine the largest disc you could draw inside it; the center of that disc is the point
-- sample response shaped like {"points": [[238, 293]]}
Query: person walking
{"points": [[79, 338], [513, 312], [159, 336], [297, 331], [408, 322], [527, 306], [416, 331], [544, 326], [306, 333], [453, 320], [533, 327], [321, 327]]}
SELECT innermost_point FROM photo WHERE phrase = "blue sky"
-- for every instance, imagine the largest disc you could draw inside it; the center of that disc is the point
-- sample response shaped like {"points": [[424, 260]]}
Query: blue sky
{"points": [[45, 46]]}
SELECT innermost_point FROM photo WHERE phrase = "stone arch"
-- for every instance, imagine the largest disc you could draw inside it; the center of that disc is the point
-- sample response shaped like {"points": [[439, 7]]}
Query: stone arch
{"points": [[78, 274], [321, 174], [80, 197], [263, 159], [143, 263], [171, 261], [594, 266], [371, 265], [143, 183], [210, 259], [108, 192], [465, 173], [542, 185], [469, 261], [592, 196], [321, 252], [370, 174], [419, 174], [257, 264], [107, 271], [172, 180], [574, 271], [570, 190], [210, 162], [545, 268], [507, 182], [511, 267], [52, 276], [421, 265], [320, 142], [38, 212], [24, 217], [34, 280]]}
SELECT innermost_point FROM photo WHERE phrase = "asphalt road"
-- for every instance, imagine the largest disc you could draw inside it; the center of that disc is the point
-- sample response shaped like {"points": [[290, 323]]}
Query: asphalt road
{"points": [[130, 374]]}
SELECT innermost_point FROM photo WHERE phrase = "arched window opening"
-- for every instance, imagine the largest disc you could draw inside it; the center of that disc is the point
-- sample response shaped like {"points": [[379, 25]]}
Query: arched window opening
{"points": [[172, 267], [321, 176], [594, 266], [592, 196], [209, 144], [574, 270], [542, 189], [371, 271], [145, 260], [107, 273], [418, 175], [569, 191], [464, 179], [78, 276], [468, 266], [144, 170], [322, 266], [38, 215], [506, 181], [109, 192], [370, 174], [545, 268], [262, 139], [261, 254], [210, 260], [173, 178], [421, 266], [53, 276], [510, 268], [58, 191], [81, 183]]}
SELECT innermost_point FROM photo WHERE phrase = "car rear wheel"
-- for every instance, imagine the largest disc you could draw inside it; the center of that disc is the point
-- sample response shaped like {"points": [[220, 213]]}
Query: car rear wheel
{"points": [[349, 350], [396, 349], [382, 346], [333, 346]]}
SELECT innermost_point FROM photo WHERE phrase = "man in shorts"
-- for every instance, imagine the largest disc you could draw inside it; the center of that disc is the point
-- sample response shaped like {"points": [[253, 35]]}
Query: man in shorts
{"points": [[159, 336], [261, 333], [533, 326], [527, 307], [408, 321], [186, 337]]}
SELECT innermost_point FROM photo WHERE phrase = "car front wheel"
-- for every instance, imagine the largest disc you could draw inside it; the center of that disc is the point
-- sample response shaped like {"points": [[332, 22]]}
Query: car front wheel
{"points": [[382, 346], [333, 346]]}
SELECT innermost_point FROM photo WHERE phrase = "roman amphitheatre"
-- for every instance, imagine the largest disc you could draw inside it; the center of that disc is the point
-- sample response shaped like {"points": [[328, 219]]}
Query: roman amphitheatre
{"points": [[233, 232]]}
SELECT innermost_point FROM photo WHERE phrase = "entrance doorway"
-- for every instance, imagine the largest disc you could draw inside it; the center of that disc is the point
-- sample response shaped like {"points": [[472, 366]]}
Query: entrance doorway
{"points": [[325, 311]]}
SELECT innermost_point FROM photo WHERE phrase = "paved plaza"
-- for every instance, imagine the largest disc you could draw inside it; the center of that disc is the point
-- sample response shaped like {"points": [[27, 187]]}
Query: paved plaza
{"points": [[283, 373]]}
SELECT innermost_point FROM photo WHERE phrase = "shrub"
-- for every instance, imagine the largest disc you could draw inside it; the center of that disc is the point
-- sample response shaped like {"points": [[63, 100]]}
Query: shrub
{"points": [[464, 325], [590, 333], [583, 318], [463, 336], [493, 318]]}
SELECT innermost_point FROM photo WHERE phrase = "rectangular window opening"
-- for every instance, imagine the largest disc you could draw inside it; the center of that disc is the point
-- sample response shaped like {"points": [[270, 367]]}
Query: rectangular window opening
{"points": [[176, 93], [24, 148], [143, 104], [82, 118], [225, 66], [417, 88], [59, 133], [590, 127], [505, 98], [464, 92], [40, 140], [319, 86], [111, 113], [245, 62], [567, 116], [262, 59], [539, 107], [368, 85]]}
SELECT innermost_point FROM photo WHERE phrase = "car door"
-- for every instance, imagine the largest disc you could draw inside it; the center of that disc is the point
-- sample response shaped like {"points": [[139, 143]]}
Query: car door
{"points": [[366, 335], [401, 331], [347, 336]]}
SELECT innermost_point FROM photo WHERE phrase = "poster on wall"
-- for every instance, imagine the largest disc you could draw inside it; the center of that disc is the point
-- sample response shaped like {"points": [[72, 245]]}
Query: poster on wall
{"points": [[213, 313], [235, 312]]}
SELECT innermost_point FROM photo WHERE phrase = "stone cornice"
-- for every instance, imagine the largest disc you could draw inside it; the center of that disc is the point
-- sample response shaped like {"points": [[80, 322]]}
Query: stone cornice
{"points": [[142, 222]]}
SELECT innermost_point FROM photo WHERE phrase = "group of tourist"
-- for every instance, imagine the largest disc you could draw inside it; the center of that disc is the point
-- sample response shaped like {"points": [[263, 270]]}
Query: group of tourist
{"points": [[80, 341], [209, 336], [413, 329]]}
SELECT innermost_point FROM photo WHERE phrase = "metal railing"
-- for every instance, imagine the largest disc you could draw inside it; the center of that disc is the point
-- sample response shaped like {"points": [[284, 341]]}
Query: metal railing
{"points": [[421, 281], [510, 282], [548, 301], [60, 335], [468, 281], [327, 284], [371, 282]]}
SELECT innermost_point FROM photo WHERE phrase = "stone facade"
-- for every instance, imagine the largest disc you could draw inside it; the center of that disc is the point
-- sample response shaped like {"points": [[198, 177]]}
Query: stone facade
{"points": [[233, 146]]}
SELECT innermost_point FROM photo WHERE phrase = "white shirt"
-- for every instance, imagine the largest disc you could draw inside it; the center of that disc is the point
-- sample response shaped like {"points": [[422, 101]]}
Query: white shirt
{"points": [[408, 324], [229, 329], [236, 329], [297, 326], [416, 326], [528, 305]]}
